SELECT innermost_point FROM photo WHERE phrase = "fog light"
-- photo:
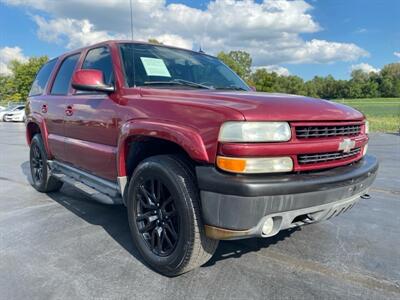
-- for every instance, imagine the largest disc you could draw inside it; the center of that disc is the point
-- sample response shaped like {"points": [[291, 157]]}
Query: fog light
{"points": [[255, 165], [268, 226], [365, 149], [366, 127]]}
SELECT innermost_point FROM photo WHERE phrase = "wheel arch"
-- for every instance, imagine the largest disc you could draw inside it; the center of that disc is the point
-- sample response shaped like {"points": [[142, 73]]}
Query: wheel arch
{"points": [[37, 126], [173, 137], [32, 128]]}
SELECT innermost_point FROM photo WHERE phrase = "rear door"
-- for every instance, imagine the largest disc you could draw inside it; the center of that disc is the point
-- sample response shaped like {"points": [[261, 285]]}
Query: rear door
{"points": [[92, 124], [39, 102], [53, 106]]}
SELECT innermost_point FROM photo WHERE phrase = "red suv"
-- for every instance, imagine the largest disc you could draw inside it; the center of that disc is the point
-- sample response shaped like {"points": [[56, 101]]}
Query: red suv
{"points": [[193, 152]]}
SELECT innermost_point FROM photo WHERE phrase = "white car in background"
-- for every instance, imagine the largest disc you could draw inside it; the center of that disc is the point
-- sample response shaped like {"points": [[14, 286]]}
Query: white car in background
{"points": [[15, 116], [10, 110]]}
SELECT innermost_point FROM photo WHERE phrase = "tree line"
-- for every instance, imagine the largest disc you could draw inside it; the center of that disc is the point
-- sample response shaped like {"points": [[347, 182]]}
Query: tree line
{"points": [[16, 87], [386, 83]]}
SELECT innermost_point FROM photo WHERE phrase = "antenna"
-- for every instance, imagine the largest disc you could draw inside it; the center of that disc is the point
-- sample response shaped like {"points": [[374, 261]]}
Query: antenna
{"points": [[130, 2], [201, 50]]}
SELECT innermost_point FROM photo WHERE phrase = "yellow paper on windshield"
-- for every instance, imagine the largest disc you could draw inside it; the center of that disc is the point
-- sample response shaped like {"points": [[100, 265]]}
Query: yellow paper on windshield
{"points": [[155, 67]]}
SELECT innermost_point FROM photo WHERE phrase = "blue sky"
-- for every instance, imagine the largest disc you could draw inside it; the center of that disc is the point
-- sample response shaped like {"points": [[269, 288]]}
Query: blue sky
{"points": [[305, 38]]}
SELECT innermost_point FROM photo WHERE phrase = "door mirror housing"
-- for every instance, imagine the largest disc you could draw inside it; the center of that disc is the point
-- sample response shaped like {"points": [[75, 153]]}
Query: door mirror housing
{"points": [[91, 81]]}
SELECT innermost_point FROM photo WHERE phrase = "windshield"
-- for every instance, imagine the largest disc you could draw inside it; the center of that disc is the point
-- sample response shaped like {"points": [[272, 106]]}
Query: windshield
{"points": [[162, 67]]}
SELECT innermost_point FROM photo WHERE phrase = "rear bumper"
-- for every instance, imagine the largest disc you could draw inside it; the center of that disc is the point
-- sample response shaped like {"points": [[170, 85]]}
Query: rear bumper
{"points": [[236, 206]]}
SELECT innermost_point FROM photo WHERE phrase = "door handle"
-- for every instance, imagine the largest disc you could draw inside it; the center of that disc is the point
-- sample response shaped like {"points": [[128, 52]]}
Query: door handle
{"points": [[68, 111], [44, 108]]}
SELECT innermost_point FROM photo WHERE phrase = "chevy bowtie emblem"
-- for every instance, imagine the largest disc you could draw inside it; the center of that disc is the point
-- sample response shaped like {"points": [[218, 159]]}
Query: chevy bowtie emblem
{"points": [[346, 145]]}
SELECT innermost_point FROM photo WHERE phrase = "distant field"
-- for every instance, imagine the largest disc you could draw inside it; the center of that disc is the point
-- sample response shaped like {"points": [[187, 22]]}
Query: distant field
{"points": [[383, 113]]}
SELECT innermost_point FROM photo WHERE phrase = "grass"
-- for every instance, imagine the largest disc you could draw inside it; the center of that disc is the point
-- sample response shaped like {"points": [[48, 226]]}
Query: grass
{"points": [[383, 113]]}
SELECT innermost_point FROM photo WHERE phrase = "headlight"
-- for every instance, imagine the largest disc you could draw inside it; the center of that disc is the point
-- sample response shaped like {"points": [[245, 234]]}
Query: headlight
{"points": [[255, 165], [366, 127], [255, 132]]}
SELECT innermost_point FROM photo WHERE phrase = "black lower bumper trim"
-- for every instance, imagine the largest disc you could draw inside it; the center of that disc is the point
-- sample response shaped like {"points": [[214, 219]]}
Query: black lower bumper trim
{"points": [[212, 180], [240, 202]]}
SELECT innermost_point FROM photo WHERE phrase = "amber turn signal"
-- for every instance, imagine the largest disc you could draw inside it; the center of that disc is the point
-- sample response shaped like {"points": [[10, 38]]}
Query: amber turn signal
{"points": [[236, 165]]}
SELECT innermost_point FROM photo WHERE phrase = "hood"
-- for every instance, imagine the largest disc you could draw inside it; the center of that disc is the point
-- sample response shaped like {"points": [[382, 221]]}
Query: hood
{"points": [[282, 107], [257, 106]]}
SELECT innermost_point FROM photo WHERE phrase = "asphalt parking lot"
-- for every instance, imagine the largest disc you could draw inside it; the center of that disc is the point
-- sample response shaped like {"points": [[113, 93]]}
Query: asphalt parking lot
{"points": [[65, 246]]}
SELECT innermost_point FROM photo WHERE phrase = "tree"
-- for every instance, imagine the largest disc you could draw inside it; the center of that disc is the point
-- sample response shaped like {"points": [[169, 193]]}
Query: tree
{"points": [[238, 61], [17, 86], [265, 81], [391, 71], [390, 86]]}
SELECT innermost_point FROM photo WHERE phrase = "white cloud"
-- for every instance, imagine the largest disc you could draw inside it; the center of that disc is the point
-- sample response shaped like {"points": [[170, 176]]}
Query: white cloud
{"points": [[8, 54], [275, 68], [366, 68], [74, 33], [174, 40], [271, 30], [397, 53]]}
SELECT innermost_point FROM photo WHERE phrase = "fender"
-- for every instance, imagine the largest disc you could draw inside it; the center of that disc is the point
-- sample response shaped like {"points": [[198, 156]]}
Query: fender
{"points": [[38, 120], [186, 137]]}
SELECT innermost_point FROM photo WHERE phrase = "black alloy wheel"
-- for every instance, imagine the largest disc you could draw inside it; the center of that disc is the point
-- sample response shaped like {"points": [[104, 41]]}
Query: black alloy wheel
{"points": [[164, 215], [157, 217], [40, 171], [37, 164]]}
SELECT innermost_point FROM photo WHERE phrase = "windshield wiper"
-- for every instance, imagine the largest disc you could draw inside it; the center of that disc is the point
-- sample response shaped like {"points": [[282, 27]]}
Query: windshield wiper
{"points": [[179, 82], [231, 87]]}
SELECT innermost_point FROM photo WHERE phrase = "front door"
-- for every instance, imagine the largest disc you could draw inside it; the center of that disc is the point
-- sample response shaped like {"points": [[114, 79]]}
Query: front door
{"points": [[91, 124]]}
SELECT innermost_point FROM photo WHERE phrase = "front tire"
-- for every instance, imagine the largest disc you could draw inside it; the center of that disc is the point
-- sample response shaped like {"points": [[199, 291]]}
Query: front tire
{"points": [[42, 181], [164, 216]]}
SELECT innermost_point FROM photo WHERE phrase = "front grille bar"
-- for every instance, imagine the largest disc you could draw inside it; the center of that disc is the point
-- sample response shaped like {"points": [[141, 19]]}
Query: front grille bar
{"points": [[303, 132], [324, 157]]}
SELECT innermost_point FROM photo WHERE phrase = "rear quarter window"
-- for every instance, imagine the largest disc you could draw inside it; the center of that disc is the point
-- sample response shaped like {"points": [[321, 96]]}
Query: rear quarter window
{"points": [[42, 77]]}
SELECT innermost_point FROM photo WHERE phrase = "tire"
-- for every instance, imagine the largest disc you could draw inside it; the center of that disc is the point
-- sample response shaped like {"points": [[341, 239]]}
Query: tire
{"points": [[164, 216], [42, 181]]}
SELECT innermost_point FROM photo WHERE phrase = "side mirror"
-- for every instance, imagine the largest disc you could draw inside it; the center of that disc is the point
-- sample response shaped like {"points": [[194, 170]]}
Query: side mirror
{"points": [[253, 88], [91, 81]]}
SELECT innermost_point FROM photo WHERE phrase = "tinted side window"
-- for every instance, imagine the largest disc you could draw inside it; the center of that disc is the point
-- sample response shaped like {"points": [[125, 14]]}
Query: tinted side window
{"points": [[63, 78], [100, 59], [42, 77]]}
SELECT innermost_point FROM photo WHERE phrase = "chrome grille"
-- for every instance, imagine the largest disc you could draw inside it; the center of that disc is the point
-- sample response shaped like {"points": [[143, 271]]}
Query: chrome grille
{"points": [[305, 132], [304, 159]]}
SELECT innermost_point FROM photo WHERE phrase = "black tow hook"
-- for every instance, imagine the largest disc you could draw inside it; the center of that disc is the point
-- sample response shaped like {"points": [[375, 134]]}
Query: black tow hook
{"points": [[365, 196]]}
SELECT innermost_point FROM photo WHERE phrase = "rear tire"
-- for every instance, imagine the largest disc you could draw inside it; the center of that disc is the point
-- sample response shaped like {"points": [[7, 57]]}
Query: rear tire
{"points": [[42, 180], [164, 216]]}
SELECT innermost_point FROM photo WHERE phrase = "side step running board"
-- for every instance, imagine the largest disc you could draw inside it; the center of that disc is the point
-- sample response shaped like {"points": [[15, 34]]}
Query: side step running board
{"points": [[101, 190]]}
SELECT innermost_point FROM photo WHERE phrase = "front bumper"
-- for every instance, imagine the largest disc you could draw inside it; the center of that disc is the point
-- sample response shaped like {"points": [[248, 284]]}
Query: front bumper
{"points": [[13, 119], [236, 206]]}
